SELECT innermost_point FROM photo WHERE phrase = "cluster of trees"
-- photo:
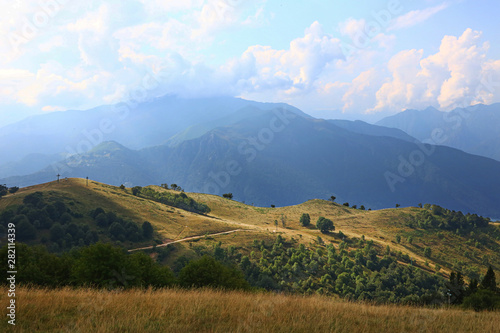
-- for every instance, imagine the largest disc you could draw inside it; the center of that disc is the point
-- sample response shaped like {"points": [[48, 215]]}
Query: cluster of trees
{"points": [[478, 296], [37, 214], [434, 216], [174, 187], [359, 274], [52, 222], [4, 190], [106, 266], [98, 265], [323, 224], [180, 200], [118, 228]]}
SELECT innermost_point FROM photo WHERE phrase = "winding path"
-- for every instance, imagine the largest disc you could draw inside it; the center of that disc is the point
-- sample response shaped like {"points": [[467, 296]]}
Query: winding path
{"points": [[187, 239]]}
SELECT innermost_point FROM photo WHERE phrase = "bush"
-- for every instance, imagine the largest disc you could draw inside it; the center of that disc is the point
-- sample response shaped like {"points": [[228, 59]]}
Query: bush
{"points": [[482, 300], [208, 272]]}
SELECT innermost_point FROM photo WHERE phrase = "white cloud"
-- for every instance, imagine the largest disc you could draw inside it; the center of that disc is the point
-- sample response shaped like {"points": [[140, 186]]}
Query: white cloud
{"points": [[95, 22], [52, 108], [153, 7], [361, 92], [415, 17], [56, 41], [292, 71], [450, 78]]}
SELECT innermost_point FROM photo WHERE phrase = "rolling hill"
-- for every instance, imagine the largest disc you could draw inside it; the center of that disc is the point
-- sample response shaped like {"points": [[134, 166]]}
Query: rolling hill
{"points": [[467, 251]]}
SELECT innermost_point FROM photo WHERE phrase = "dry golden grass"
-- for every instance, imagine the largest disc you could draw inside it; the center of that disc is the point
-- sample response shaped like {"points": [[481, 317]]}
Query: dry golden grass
{"points": [[67, 310]]}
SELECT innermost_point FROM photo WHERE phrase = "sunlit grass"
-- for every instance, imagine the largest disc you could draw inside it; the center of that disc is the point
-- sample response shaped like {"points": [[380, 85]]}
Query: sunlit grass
{"points": [[170, 310]]}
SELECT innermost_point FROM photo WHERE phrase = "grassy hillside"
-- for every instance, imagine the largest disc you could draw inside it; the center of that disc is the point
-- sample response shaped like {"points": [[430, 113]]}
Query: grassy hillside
{"points": [[68, 310], [471, 252]]}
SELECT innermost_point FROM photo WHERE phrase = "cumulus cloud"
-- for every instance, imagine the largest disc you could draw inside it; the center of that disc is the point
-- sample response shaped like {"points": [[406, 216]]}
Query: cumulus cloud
{"points": [[295, 70], [452, 77]]}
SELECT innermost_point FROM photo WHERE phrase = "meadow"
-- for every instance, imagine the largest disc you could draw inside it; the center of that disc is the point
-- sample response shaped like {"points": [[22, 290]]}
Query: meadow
{"points": [[177, 310]]}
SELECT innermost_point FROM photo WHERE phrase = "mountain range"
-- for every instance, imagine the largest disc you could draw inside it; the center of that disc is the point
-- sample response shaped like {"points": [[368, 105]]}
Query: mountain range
{"points": [[263, 153], [473, 129]]}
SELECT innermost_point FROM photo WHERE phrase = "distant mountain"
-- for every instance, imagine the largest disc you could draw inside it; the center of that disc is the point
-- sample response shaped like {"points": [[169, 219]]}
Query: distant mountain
{"points": [[133, 125], [362, 127], [279, 157], [473, 129], [28, 164]]}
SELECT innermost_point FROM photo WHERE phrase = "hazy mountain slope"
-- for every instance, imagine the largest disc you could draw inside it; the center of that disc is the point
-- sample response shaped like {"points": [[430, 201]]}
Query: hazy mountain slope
{"points": [[28, 165], [473, 129], [302, 159], [362, 127], [135, 126]]}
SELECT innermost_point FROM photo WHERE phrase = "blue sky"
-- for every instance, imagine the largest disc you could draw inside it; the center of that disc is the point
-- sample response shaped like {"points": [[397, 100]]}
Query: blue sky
{"points": [[333, 59]]}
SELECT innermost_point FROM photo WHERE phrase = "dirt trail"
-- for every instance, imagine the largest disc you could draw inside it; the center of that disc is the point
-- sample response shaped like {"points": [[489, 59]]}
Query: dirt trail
{"points": [[187, 239]]}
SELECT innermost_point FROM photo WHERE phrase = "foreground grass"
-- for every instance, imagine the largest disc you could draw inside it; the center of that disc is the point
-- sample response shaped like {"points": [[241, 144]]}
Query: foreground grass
{"points": [[85, 310]]}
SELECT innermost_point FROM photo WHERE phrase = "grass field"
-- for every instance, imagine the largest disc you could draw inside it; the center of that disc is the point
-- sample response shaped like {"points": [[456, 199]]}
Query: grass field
{"points": [[67, 310]]}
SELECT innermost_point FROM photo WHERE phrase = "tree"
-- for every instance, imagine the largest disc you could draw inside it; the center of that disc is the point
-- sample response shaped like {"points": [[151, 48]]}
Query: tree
{"points": [[122, 187], [136, 190], [332, 198], [354, 206], [273, 206], [13, 189], [3, 190], [25, 230], [228, 196], [56, 232], [147, 230], [103, 265], [102, 220], [174, 187], [456, 288], [398, 239], [305, 220], [116, 230], [362, 207], [409, 239], [489, 280], [324, 225], [346, 204], [283, 220], [398, 205], [165, 186], [427, 252]]}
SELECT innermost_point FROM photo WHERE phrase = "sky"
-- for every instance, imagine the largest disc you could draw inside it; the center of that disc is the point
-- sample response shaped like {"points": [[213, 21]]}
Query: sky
{"points": [[354, 59]]}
